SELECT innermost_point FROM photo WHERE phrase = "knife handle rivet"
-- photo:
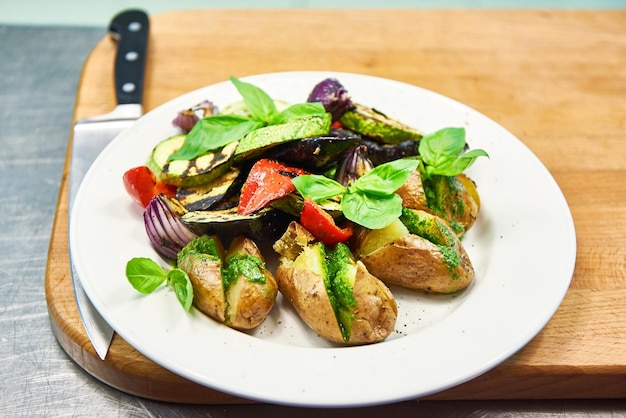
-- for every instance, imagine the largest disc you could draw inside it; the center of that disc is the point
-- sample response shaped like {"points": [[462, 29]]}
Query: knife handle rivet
{"points": [[131, 56], [128, 87], [134, 26]]}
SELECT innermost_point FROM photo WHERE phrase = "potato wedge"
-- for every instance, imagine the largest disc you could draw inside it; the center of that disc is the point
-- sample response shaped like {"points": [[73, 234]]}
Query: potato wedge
{"points": [[453, 198], [248, 302], [426, 256], [412, 192], [204, 270], [365, 313]]}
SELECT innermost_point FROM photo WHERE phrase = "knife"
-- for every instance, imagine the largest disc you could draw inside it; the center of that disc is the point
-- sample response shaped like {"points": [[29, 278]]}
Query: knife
{"points": [[130, 30]]}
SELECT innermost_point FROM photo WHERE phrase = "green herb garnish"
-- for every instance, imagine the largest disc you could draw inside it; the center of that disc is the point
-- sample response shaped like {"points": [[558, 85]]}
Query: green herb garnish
{"points": [[216, 131], [145, 275], [442, 153], [371, 201]]}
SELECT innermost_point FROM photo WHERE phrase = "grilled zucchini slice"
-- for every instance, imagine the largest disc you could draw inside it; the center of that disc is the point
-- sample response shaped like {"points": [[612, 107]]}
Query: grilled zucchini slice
{"points": [[189, 173], [374, 124]]}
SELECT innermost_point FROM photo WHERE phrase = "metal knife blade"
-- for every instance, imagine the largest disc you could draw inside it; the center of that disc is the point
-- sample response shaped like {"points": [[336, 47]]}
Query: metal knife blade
{"points": [[130, 29]]}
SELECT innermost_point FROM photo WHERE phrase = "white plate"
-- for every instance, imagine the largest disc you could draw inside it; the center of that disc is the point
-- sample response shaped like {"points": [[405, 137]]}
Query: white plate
{"points": [[523, 249]]}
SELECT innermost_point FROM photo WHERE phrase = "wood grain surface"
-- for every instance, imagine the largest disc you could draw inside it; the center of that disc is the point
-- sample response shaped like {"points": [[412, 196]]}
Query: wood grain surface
{"points": [[555, 79]]}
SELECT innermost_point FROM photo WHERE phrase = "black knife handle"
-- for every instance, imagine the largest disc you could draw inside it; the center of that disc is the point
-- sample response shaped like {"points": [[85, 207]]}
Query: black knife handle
{"points": [[130, 30]]}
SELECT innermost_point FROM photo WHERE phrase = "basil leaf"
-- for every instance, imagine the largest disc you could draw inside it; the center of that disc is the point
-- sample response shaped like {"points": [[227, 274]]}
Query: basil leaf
{"points": [[259, 103], [301, 110], [212, 133], [317, 187], [182, 287], [144, 274], [386, 178], [443, 146], [459, 165], [373, 212]]}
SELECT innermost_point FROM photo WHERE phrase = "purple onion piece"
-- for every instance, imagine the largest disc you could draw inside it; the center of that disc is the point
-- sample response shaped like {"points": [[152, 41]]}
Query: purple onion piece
{"points": [[354, 165], [166, 231], [186, 119], [333, 95]]}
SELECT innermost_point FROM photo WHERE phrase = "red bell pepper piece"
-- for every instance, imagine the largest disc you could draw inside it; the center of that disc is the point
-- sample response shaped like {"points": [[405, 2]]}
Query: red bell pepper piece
{"points": [[319, 223], [267, 181], [142, 185]]}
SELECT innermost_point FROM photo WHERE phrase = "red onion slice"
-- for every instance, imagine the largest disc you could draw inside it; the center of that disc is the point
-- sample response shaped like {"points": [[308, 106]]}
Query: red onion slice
{"points": [[166, 231]]}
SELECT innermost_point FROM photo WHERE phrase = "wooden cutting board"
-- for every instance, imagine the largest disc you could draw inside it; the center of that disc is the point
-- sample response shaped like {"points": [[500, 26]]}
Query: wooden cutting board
{"points": [[556, 79]]}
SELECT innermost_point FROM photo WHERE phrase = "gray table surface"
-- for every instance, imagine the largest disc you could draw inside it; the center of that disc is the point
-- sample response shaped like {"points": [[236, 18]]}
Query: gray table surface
{"points": [[39, 72]]}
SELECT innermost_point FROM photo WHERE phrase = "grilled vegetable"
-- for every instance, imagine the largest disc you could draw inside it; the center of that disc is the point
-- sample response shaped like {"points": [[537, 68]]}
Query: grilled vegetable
{"points": [[266, 224], [187, 118], [204, 196], [372, 123], [167, 233], [262, 139], [315, 153], [322, 225], [188, 173], [333, 294], [293, 203], [142, 185], [267, 181], [333, 95], [355, 164], [381, 153]]}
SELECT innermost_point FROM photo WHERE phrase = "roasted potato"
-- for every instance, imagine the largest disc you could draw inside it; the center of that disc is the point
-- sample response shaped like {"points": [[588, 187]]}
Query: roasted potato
{"points": [[235, 289], [333, 294], [248, 300], [202, 260], [418, 251], [453, 198]]}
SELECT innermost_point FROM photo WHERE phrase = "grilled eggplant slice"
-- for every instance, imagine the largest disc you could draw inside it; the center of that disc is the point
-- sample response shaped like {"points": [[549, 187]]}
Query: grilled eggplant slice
{"points": [[315, 153], [374, 124], [266, 224], [206, 195], [382, 153]]}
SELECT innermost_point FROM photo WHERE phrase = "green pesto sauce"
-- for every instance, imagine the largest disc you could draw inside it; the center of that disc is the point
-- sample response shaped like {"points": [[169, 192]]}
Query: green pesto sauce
{"points": [[204, 245], [436, 232], [245, 265], [456, 227], [338, 283], [443, 196]]}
